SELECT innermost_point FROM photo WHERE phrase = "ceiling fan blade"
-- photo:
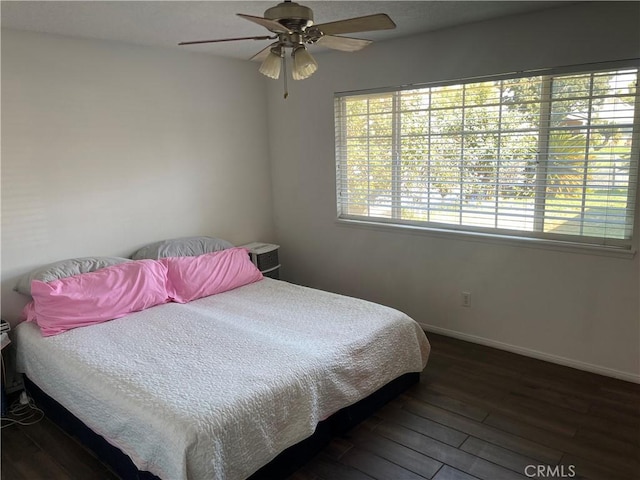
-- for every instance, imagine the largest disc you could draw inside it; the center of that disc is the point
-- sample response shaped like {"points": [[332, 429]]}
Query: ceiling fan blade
{"points": [[262, 54], [265, 22], [263, 37], [345, 44], [380, 21]]}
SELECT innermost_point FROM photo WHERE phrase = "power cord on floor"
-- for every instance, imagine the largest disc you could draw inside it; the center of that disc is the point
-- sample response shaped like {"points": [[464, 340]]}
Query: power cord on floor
{"points": [[23, 411]]}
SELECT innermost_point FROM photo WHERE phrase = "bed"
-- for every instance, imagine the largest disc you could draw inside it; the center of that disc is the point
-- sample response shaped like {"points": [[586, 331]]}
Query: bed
{"points": [[219, 387]]}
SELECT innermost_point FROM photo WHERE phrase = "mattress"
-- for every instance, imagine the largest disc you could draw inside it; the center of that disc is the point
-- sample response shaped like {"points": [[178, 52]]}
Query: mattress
{"points": [[216, 388]]}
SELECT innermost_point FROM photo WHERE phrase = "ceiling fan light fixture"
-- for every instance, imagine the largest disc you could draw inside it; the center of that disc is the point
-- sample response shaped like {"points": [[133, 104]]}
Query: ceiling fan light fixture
{"points": [[292, 26], [271, 65], [304, 65]]}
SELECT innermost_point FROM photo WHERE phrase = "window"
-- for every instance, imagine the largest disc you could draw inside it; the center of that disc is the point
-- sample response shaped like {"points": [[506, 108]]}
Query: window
{"points": [[553, 157]]}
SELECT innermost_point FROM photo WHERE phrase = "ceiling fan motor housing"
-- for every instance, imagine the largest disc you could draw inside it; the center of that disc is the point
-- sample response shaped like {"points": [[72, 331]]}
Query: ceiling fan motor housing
{"points": [[292, 15]]}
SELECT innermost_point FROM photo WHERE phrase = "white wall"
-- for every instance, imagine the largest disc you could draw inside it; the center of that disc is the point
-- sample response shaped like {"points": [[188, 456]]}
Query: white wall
{"points": [[573, 308], [107, 146]]}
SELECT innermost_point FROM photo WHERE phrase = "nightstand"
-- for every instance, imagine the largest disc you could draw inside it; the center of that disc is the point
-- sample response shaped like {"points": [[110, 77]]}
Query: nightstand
{"points": [[265, 257]]}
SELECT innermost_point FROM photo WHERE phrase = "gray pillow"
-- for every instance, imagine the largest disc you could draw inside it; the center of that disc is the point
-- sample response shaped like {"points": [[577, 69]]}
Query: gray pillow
{"points": [[181, 247], [65, 268]]}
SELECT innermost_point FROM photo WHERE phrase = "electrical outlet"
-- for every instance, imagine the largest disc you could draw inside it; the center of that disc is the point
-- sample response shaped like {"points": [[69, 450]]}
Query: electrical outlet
{"points": [[465, 299]]}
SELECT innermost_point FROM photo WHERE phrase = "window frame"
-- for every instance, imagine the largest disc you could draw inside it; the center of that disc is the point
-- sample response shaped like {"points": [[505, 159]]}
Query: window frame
{"points": [[536, 237]]}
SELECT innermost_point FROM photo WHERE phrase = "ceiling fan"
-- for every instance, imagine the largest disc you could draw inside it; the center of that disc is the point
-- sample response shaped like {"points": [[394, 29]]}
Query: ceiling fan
{"points": [[293, 28]]}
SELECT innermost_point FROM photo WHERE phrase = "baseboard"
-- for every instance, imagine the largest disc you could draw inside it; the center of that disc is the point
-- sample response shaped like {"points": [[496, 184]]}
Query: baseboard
{"points": [[567, 362]]}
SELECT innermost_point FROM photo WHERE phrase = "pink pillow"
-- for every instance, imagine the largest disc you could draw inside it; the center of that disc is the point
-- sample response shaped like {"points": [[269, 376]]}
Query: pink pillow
{"points": [[195, 277], [96, 297]]}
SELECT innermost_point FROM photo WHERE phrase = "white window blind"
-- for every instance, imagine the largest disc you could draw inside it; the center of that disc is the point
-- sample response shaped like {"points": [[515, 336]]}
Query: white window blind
{"points": [[551, 156]]}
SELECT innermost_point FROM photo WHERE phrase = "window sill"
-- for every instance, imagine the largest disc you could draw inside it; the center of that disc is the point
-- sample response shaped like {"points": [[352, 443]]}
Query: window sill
{"points": [[526, 242]]}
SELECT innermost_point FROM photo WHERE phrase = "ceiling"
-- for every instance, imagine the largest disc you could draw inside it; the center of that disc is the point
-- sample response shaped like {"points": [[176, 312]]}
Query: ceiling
{"points": [[165, 23]]}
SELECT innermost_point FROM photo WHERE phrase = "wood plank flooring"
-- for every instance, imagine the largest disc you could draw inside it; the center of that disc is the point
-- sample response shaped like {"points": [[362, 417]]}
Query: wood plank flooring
{"points": [[477, 413]]}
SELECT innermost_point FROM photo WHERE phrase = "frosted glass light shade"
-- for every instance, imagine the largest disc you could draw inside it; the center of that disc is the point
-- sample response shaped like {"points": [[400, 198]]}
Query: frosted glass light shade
{"points": [[271, 65], [304, 65]]}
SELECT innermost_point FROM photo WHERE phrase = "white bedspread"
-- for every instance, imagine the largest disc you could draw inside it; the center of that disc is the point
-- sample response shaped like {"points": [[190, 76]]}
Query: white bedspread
{"points": [[216, 388]]}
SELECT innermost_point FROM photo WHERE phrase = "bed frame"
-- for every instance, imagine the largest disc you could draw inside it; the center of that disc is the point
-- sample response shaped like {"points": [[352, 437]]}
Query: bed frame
{"points": [[282, 466]]}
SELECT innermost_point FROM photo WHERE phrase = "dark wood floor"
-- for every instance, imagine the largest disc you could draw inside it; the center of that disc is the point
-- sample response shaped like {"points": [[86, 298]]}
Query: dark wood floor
{"points": [[478, 413]]}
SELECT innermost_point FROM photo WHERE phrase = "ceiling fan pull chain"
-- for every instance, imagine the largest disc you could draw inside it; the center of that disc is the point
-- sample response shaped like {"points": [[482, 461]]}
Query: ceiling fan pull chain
{"points": [[284, 70]]}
